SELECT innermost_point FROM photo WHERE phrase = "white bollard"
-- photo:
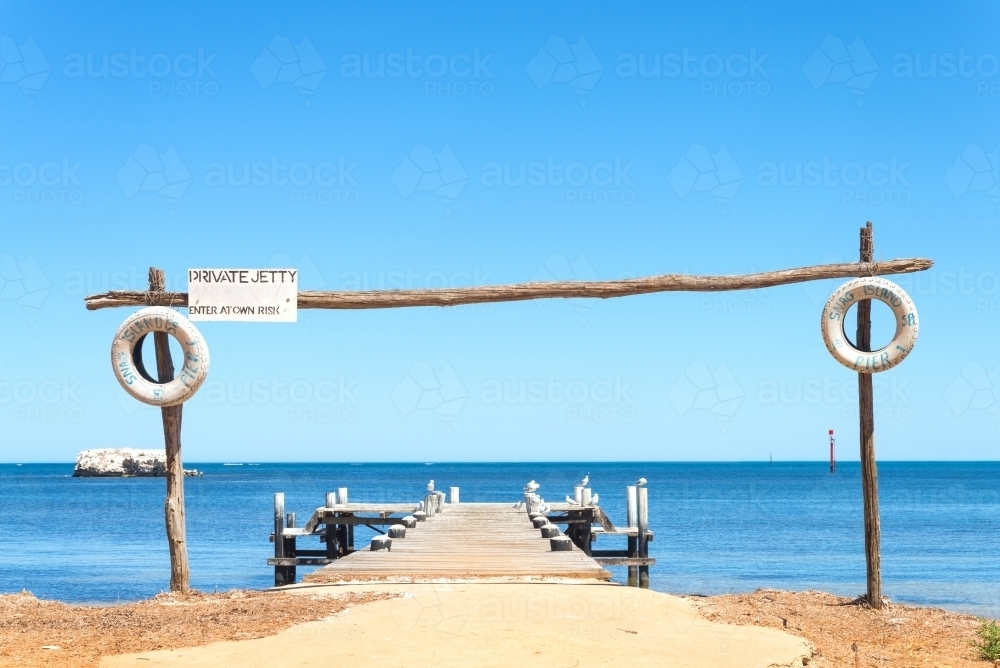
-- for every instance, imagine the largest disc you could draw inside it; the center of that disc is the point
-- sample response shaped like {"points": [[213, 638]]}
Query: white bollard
{"points": [[585, 498], [420, 516], [397, 531], [578, 494], [341, 495], [381, 543], [454, 495], [631, 507]]}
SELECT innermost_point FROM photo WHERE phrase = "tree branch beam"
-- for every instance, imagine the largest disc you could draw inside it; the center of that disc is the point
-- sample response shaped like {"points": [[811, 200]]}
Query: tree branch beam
{"points": [[483, 294]]}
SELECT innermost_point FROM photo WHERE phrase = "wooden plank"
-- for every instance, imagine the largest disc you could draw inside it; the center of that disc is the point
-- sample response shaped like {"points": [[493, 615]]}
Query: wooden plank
{"points": [[623, 531], [467, 540], [291, 562], [626, 561]]}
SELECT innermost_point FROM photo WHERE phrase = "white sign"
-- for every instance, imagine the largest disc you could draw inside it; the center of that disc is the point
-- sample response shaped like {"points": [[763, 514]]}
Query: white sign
{"points": [[257, 295]]}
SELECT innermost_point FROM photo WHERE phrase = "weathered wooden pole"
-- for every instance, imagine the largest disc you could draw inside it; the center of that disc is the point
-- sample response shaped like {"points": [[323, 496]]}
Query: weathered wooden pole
{"points": [[642, 504], [174, 506], [488, 294], [283, 575], [331, 529], [866, 413], [632, 521]]}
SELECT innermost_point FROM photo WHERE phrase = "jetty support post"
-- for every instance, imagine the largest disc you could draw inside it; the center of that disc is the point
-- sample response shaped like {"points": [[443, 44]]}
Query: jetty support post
{"points": [[331, 529], [283, 575], [345, 532], [173, 507], [642, 507], [586, 534], [866, 416], [632, 521], [453, 498]]}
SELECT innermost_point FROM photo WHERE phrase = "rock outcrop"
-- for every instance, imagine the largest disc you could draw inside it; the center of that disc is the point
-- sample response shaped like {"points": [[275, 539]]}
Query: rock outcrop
{"points": [[123, 463]]}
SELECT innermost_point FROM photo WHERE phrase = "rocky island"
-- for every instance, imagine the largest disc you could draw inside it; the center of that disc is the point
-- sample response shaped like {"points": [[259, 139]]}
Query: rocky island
{"points": [[123, 463]]}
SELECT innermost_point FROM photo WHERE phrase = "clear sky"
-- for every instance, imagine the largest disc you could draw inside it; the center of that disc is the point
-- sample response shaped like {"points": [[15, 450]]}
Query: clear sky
{"points": [[381, 145]]}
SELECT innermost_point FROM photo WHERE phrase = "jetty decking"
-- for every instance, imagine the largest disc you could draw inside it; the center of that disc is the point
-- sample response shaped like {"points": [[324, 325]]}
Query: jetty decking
{"points": [[462, 541], [468, 540]]}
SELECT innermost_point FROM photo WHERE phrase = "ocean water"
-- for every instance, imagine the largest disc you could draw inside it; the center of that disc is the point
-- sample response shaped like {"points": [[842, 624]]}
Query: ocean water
{"points": [[726, 527]]}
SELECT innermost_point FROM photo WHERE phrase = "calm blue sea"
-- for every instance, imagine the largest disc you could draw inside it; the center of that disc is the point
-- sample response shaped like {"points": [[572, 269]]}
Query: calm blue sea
{"points": [[719, 527]]}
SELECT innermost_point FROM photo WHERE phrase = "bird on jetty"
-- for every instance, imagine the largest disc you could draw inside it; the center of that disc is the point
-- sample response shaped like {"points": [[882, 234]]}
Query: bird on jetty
{"points": [[586, 479], [641, 482], [430, 486], [594, 499], [530, 488], [571, 501]]}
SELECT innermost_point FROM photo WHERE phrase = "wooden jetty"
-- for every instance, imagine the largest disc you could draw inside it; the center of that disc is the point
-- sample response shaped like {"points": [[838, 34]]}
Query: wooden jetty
{"points": [[434, 540]]}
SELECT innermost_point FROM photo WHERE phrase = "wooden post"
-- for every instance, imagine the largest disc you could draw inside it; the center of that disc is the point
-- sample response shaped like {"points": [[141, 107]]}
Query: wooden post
{"points": [[578, 495], [283, 575], [331, 529], [866, 414], [173, 508], [454, 495], [632, 520], [345, 532], [642, 507]]}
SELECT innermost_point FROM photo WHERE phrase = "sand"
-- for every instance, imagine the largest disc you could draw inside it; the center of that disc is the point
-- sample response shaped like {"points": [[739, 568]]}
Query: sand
{"points": [[500, 624], [571, 623]]}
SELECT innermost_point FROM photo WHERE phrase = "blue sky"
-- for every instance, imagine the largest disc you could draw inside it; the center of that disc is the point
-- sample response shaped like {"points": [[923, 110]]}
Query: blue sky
{"points": [[384, 146]]}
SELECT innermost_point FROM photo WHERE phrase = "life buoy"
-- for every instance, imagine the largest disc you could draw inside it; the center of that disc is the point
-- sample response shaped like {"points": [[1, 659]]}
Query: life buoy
{"points": [[126, 357], [846, 296]]}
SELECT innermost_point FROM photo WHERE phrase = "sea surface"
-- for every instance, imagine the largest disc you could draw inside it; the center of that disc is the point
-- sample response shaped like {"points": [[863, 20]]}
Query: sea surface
{"points": [[726, 527]]}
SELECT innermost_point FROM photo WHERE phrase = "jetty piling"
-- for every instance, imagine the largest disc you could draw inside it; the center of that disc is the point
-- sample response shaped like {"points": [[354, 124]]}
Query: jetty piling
{"points": [[643, 527], [632, 521]]}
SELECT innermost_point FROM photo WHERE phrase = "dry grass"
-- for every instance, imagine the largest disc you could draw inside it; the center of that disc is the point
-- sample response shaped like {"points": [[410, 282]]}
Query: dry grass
{"points": [[897, 635], [83, 634]]}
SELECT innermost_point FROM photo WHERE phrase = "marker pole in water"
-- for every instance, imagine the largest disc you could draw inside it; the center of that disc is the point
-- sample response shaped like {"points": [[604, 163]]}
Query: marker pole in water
{"points": [[833, 454]]}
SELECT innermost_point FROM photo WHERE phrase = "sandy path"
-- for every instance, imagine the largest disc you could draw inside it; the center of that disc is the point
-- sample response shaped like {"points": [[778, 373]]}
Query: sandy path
{"points": [[501, 624]]}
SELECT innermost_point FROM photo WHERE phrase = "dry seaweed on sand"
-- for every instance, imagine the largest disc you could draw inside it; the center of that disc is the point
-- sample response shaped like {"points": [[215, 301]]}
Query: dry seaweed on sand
{"points": [[848, 632], [34, 632]]}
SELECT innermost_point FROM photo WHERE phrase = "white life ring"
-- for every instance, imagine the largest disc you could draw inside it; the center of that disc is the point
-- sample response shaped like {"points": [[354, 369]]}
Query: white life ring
{"points": [[846, 296], [126, 357]]}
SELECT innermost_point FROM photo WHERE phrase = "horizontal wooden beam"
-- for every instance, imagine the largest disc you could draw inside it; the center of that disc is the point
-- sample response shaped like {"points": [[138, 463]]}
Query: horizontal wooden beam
{"points": [[298, 561], [482, 294], [620, 561]]}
